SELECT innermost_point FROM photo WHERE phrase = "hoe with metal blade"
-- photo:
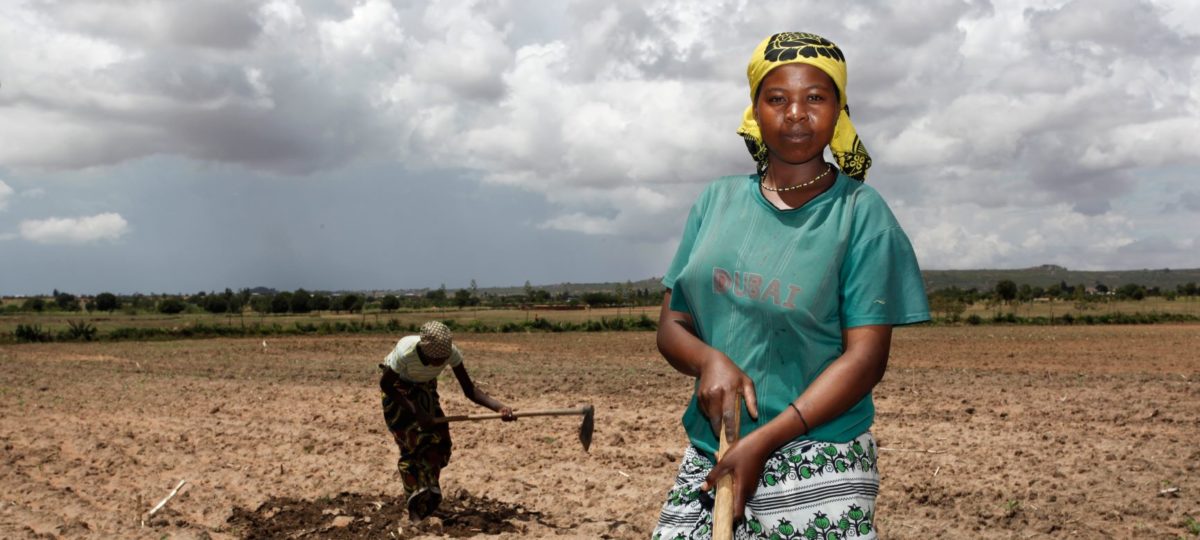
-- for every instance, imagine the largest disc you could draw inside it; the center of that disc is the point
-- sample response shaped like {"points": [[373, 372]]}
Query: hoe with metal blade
{"points": [[585, 429]]}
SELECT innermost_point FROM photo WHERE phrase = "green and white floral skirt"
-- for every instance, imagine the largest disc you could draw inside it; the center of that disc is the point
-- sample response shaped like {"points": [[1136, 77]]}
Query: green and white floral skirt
{"points": [[808, 490]]}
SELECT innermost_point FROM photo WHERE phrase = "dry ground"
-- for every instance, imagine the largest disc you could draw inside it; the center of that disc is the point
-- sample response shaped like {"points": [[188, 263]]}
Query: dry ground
{"points": [[986, 432]]}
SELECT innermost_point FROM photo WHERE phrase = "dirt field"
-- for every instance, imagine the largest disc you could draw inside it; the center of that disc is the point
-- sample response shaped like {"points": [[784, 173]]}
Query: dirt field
{"points": [[985, 432]]}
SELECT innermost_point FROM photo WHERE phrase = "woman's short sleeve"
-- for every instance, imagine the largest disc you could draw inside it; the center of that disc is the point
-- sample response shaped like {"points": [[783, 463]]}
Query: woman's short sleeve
{"points": [[881, 282], [682, 254]]}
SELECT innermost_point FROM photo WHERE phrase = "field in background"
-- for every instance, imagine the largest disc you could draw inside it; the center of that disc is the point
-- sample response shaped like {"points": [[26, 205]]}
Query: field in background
{"points": [[106, 322], [985, 432], [1098, 306]]}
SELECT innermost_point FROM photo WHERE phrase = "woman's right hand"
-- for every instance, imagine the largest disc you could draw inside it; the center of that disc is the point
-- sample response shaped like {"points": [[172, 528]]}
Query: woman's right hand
{"points": [[721, 382]]}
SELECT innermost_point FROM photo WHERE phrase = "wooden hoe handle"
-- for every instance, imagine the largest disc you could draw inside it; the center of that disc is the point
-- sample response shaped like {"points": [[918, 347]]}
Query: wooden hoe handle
{"points": [[516, 414], [723, 506]]}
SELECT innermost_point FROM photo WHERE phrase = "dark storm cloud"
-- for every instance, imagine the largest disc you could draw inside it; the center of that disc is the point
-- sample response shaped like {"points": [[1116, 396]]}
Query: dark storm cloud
{"points": [[1188, 201], [215, 24]]}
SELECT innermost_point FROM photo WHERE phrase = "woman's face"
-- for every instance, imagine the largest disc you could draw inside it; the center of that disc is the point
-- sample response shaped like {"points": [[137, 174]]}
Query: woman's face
{"points": [[797, 109]]}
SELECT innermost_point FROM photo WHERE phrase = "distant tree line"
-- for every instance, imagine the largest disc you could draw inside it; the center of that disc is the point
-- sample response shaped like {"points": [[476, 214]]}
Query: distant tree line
{"points": [[302, 301], [948, 302], [952, 301]]}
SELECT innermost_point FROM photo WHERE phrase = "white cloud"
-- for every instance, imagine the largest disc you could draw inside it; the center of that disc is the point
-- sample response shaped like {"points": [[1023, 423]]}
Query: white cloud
{"points": [[971, 236], [617, 112], [6, 193], [82, 230], [372, 29], [281, 16]]}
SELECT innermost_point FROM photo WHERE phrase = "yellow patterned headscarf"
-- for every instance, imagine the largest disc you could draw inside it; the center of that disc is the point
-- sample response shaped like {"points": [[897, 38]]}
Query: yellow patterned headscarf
{"points": [[816, 51]]}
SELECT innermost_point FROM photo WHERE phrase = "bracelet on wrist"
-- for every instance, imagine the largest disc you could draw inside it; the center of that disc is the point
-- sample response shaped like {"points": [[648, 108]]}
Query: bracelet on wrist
{"points": [[801, 415]]}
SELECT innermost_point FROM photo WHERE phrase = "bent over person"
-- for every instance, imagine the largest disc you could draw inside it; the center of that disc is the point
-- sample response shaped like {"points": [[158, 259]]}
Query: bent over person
{"points": [[783, 292], [411, 406]]}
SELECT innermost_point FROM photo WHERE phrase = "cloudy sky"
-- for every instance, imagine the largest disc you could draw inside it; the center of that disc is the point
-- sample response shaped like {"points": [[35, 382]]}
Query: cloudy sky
{"points": [[164, 146]]}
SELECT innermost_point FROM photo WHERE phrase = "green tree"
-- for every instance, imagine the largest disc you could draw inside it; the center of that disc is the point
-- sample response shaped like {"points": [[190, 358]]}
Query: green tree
{"points": [[281, 302], [1006, 290], [437, 296], [1024, 293], [321, 302], [261, 303], [389, 303], [198, 299], [462, 298], [598, 298], [66, 301], [1132, 291], [350, 302], [244, 296], [34, 303], [107, 301], [301, 301], [141, 302], [234, 300], [215, 303], [171, 305]]}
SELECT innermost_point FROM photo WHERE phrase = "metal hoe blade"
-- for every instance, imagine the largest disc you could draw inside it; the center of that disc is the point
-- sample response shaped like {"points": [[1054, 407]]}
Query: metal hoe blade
{"points": [[588, 425]]}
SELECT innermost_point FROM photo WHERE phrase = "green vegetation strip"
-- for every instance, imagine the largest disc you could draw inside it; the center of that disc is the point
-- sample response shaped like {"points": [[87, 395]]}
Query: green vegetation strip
{"points": [[83, 331], [80, 331]]}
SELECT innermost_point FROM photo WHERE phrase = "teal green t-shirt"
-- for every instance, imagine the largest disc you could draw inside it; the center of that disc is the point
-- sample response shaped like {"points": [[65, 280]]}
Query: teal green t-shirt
{"points": [[773, 289]]}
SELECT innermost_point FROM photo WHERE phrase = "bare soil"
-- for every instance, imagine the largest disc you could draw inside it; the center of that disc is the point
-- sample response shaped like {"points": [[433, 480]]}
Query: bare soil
{"points": [[985, 432]]}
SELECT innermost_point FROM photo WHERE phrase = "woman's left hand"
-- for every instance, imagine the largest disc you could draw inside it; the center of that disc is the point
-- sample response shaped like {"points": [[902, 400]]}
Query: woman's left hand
{"points": [[506, 414], [744, 460]]}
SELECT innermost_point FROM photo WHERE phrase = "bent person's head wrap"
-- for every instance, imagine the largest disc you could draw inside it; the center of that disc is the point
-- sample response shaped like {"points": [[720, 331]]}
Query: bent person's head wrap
{"points": [[816, 51], [436, 341]]}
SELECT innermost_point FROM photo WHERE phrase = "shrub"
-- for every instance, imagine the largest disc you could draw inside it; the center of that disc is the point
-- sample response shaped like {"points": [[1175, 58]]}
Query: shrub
{"points": [[645, 323], [79, 331], [477, 326], [31, 333]]}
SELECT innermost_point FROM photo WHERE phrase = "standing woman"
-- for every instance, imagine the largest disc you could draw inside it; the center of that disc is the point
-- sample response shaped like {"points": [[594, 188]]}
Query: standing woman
{"points": [[784, 292]]}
